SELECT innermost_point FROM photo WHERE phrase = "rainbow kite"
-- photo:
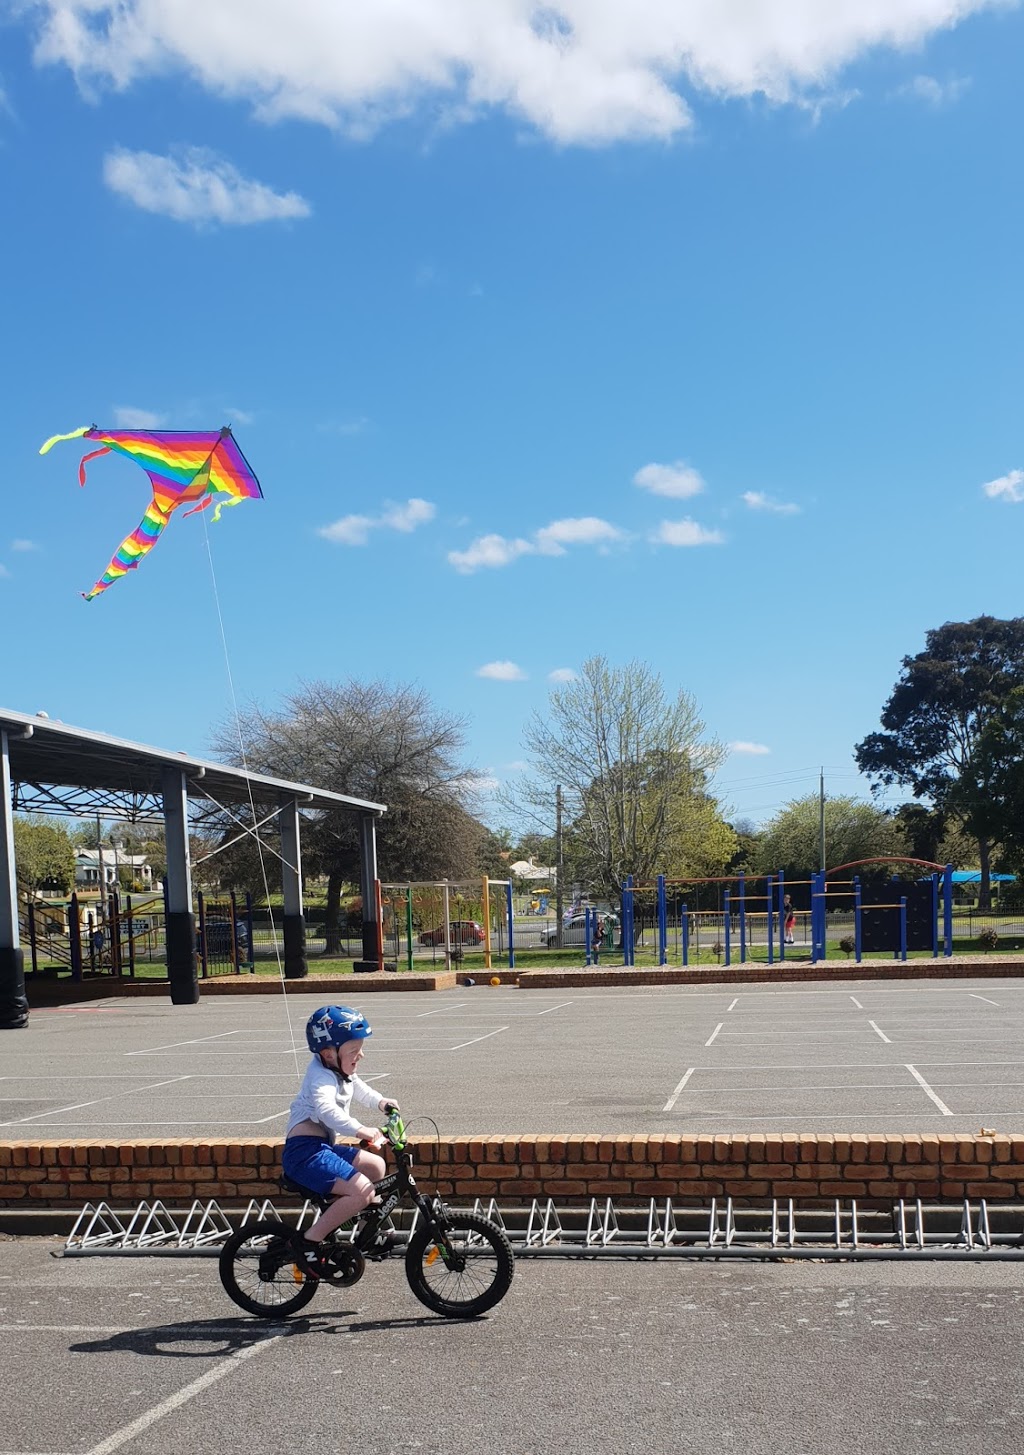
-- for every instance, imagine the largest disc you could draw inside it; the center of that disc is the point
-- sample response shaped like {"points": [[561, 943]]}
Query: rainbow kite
{"points": [[186, 467]]}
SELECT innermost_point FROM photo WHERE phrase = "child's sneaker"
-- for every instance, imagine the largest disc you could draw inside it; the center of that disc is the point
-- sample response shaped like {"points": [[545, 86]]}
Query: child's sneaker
{"points": [[309, 1257]]}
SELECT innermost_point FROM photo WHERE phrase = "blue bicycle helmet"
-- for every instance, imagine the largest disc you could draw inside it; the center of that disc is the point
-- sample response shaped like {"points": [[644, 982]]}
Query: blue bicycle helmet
{"points": [[333, 1025]]}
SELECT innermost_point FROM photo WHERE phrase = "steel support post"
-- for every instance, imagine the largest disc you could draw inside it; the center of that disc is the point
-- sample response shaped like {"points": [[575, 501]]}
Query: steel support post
{"points": [[373, 930], [293, 919], [13, 1000], [181, 923]]}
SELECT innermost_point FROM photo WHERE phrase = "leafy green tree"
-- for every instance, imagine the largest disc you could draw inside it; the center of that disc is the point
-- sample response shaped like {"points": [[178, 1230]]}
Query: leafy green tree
{"points": [[791, 840], [44, 854], [634, 768], [934, 719]]}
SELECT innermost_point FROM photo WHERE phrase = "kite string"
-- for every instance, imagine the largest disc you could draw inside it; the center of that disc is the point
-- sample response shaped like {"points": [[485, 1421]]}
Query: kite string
{"points": [[252, 804]]}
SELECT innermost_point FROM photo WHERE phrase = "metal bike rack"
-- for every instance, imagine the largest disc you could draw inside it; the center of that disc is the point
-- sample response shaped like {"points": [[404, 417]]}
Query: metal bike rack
{"points": [[663, 1228]]}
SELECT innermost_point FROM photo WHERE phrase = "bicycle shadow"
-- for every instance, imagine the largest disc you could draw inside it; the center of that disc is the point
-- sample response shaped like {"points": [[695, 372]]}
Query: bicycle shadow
{"points": [[215, 1338]]}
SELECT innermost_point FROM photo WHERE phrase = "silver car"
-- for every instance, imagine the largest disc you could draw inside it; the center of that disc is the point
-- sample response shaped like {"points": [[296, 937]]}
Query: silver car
{"points": [[574, 931]]}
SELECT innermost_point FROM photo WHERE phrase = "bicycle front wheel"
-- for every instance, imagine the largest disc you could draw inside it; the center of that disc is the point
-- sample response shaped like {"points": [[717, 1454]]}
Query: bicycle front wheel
{"points": [[259, 1273], [470, 1278]]}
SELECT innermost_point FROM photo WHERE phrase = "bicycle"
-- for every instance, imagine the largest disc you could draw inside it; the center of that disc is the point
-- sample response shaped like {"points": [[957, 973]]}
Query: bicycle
{"points": [[458, 1263]]}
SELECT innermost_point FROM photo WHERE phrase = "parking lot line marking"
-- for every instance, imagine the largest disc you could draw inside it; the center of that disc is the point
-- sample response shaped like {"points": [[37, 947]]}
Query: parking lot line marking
{"points": [[982, 997], [928, 1091], [714, 1033], [561, 1006], [195, 1042], [181, 1396], [479, 1038], [441, 1009], [78, 1105], [734, 1004], [856, 1002], [675, 1095], [877, 1032]]}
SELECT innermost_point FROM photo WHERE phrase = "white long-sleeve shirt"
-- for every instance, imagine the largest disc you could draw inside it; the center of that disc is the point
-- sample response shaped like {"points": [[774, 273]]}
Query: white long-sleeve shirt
{"points": [[325, 1097]]}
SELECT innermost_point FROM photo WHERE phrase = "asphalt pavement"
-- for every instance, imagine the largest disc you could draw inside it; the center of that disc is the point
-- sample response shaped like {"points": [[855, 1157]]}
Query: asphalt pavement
{"points": [[148, 1357]]}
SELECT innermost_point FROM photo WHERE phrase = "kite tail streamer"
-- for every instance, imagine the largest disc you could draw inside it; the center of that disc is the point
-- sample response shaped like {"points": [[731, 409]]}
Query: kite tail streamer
{"points": [[55, 439], [132, 549], [90, 456]]}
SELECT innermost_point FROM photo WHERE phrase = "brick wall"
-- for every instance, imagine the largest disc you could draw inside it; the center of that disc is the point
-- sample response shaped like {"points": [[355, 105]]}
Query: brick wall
{"points": [[65, 1175]]}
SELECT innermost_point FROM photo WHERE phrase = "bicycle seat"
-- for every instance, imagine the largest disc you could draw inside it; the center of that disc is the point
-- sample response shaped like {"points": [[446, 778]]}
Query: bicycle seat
{"points": [[307, 1194]]}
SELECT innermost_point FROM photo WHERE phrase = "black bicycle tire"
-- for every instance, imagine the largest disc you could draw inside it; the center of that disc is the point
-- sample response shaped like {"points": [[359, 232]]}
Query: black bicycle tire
{"points": [[461, 1308], [304, 1291]]}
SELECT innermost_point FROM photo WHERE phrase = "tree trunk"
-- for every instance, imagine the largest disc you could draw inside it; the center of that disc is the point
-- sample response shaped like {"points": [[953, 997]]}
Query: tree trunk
{"points": [[984, 860], [332, 925]]}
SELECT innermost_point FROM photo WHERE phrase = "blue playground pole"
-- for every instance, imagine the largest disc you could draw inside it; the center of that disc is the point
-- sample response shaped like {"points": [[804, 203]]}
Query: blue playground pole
{"points": [[511, 925], [743, 918], [768, 900], [728, 929], [856, 919], [781, 880], [588, 935], [627, 940], [935, 916], [662, 922], [947, 910], [684, 916], [903, 928], [817, 906]]}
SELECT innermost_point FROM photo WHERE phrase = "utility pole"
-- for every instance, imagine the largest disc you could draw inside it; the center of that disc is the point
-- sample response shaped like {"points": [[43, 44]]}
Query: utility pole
{"points": [[101, 870], [559, 866], [821, 820]]}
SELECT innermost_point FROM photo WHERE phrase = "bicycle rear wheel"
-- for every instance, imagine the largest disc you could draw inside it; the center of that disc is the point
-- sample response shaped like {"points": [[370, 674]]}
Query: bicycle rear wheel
{"points": [[259, 1273], [472, 1278]]}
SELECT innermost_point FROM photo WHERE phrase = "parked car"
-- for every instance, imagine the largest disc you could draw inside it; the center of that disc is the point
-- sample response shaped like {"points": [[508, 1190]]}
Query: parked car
{"points": [[463, 932], [574, 931], [218, 939]]}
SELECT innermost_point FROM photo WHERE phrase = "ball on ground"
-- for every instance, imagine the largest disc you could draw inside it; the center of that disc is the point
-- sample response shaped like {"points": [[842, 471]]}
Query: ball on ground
{"points": [[495, 980]]}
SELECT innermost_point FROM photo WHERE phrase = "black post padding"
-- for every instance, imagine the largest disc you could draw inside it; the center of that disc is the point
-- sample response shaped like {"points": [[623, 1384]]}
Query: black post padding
{"points": [[181, 957], [295, 966], [13, 1000]]}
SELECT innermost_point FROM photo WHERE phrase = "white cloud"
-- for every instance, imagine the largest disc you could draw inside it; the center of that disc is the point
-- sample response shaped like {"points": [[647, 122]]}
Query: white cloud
{"points": [[4, 573], [502, 672], [1008, 487], [562, 674], [679, 481], [125, 417], [934, 92], [551, 540], [686, 532], [579, 71], [196, 187], [240, 416], [354, 530], [758, 500], [21, 545], [755, 750]]}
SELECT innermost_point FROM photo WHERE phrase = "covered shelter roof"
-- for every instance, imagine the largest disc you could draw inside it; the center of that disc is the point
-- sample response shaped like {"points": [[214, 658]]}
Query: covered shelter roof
{"points": [[66, 770]]}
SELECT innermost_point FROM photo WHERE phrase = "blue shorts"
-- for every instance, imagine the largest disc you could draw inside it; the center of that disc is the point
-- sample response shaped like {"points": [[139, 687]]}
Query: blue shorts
{"points": [[315, 1164]]}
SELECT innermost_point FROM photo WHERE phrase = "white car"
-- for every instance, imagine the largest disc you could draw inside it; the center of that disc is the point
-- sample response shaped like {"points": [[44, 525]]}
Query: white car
{"points": [[574, 931]]}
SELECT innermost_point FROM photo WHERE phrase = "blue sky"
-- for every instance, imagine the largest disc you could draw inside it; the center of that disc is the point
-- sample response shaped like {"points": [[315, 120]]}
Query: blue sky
{"points": [[683, 332]]}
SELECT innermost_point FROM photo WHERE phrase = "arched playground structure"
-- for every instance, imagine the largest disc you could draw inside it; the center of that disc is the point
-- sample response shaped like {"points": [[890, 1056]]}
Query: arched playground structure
{"points": [[449, 916], [744, 914]]}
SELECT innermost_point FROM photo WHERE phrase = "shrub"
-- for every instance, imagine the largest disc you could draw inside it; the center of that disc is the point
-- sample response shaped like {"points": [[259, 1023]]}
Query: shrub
{"points": [[988, 939], [848, 944], [716, 949]]}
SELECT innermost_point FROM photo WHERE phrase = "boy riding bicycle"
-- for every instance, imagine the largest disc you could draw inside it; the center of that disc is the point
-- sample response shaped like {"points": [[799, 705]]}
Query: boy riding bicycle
{"points": [[335, 1036]]}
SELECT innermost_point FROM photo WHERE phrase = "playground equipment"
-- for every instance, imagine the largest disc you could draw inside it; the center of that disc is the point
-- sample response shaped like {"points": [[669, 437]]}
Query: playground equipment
{"points": [[908, 920], [430, 911]]}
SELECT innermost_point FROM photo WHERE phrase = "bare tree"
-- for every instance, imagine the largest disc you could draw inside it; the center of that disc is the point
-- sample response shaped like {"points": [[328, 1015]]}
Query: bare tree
{"points": [[377, 741], [634, 768]]}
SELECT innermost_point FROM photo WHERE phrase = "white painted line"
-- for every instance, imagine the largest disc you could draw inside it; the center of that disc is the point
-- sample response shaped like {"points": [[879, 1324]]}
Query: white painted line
{"points": [[856, 1002], [195, 1042], [929, 1092], [560, 1006], [441, 1009], [78, 1105], [675, 1095], [734, 1005], [877, 1032], [714, 1033], [182, 1396], [479, 1038], [982, 997]]}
